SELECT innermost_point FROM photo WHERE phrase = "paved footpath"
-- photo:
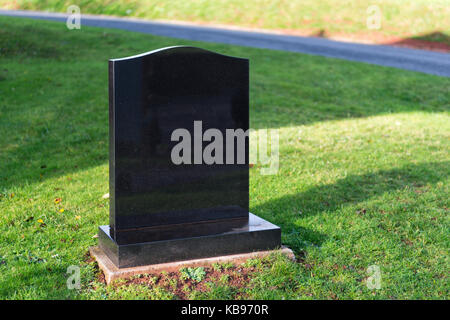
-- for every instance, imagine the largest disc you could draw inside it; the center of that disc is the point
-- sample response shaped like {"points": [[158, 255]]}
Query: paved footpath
{"points": [[410, 59]]}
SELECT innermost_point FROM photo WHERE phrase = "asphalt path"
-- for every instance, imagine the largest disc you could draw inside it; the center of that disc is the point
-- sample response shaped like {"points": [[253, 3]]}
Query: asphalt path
{"points": [[409, 59]]}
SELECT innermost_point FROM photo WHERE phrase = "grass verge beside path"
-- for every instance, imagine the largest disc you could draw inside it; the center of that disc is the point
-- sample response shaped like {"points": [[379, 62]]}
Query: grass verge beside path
{"points": [[363, 179]]}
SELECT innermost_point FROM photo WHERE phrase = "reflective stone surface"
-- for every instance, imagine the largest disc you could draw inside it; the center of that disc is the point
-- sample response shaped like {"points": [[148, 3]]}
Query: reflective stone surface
{"points": [[151, 95]]}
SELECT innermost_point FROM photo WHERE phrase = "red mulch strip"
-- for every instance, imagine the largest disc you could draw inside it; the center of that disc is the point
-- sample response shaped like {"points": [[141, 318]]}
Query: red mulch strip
{"points": [[421, 44], [238, 278]]}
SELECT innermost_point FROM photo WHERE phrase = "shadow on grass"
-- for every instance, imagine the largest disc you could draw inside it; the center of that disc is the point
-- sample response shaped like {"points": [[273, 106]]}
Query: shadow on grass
{"points": [[351, 190], [53, 278], [55, 153], [437, 40]]}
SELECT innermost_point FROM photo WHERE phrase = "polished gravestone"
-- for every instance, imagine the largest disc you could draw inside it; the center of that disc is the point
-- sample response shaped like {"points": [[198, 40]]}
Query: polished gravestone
{"points": [[164, 210]]}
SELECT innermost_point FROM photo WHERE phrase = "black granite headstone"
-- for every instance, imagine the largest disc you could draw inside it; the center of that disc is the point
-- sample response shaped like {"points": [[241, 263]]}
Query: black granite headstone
{"points": [[169, 203]]}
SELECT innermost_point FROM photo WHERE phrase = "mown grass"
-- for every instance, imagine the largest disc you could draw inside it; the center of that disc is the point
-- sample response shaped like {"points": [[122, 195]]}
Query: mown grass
{"points": [[427, 19], [363, 178]]}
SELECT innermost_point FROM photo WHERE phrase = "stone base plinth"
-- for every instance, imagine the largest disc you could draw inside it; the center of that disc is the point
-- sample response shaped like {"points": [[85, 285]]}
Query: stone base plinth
{"points": [[112, 272], [220, 239]]}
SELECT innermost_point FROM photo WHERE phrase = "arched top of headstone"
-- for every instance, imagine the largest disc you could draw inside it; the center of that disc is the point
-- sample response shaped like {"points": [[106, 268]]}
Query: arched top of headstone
{"points": [[176, 50], [181, 71]]}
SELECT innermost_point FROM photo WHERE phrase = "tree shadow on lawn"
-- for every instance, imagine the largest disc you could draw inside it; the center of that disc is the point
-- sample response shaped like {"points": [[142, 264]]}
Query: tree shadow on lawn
{"points": [[37, 161], [351, 190], [47, 280]]}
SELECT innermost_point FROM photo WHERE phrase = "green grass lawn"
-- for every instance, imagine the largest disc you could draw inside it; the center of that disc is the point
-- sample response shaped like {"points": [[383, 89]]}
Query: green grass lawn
{"points": [[363, 179], [427, 19]]}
